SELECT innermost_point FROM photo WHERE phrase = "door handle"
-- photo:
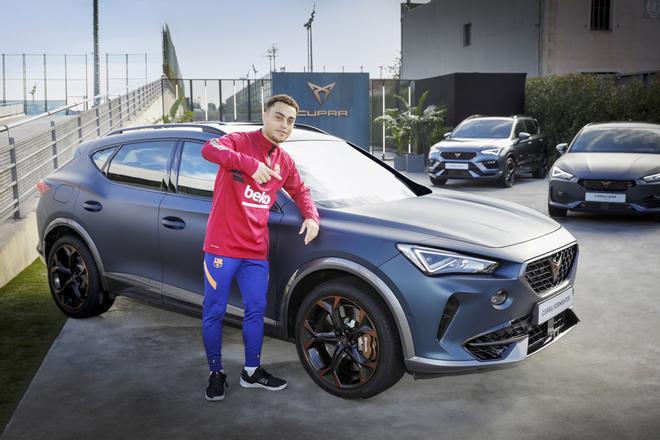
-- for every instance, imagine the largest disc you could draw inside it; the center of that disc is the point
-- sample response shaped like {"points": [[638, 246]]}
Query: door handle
{"points": [[173, 223], [92, 206]]}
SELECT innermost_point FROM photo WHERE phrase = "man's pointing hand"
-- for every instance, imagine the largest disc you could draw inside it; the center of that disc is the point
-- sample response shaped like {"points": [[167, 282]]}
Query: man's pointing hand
{"points": [[264, 174]]}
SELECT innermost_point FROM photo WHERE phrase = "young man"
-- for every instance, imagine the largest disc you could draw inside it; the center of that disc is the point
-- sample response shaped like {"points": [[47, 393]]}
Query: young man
{"points": [[252, 169]]}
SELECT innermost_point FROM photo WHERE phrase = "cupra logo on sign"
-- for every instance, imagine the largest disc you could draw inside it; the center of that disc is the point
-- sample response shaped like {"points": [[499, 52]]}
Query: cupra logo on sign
{"points": [[322, 93], [317, 90]]}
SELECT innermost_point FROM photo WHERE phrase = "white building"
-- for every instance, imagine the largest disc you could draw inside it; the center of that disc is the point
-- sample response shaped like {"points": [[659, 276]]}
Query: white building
{"points": [[537, 37]]}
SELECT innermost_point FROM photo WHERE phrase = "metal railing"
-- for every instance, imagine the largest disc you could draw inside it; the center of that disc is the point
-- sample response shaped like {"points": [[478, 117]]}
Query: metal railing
{"points": [[30, 149]]}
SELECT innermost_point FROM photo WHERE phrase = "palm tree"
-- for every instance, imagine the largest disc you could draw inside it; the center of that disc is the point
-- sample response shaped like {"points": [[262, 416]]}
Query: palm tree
{"points": [[412, 123]]}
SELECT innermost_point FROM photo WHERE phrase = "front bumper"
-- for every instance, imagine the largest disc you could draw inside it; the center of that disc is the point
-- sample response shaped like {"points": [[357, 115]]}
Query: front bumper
{"points": [[455, 327], [640, 198], [479, 167], [529, 341]]}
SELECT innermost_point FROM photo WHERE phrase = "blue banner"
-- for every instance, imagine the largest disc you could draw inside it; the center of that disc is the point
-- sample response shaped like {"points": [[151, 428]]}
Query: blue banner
{"points": [[334, 102]]}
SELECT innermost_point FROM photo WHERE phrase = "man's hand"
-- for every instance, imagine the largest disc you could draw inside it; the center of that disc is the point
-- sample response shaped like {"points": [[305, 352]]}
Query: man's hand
{"points": [[264, 174], [312, 230]]}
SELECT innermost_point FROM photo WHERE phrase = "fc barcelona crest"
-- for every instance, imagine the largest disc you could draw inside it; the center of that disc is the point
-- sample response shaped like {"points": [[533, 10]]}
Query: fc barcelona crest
{"points": [[217, 263]]}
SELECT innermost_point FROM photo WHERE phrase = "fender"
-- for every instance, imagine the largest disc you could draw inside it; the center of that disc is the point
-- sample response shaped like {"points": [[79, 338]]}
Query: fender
{"points": [[365, 275], [64, 221]]}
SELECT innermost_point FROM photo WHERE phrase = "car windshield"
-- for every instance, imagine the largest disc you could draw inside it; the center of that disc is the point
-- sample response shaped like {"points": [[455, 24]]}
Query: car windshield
{"points": [[484, 129], [618, 140], [339, 176]]}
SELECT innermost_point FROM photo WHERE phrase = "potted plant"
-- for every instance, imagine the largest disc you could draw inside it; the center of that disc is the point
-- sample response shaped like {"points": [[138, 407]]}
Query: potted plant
{"points": [[411, 124]]}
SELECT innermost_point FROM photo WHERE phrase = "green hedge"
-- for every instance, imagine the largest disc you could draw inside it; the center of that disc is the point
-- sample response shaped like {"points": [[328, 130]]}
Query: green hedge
{"points": [[564, 104]]}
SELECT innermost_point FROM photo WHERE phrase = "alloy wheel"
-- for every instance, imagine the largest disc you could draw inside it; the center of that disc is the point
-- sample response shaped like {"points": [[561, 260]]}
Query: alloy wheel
{"points": [[70, 278], [340, 342]]}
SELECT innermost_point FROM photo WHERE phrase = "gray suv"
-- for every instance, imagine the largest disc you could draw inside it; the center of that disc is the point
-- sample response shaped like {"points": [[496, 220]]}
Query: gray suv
{"points": [[399, 279], [490, 148]]}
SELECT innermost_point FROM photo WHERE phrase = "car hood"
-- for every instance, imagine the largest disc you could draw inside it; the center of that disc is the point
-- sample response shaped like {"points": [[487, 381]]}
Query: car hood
{"points": [[615, 166], [453, 215], [470, 144]]}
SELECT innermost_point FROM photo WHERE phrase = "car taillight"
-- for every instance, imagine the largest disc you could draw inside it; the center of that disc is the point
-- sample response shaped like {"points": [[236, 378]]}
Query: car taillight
{"points": [[43, 187]]}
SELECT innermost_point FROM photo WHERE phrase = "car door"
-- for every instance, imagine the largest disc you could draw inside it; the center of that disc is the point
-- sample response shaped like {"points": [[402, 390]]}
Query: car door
{"points": [[521, 146], [120, 212], [537, 146], [182, 221]]}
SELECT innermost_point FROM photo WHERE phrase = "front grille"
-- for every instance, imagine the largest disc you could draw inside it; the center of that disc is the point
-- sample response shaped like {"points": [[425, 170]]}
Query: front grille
{"points": [[457, 155], [607, 185], [550, 271], [488, 347], [457, 173]]}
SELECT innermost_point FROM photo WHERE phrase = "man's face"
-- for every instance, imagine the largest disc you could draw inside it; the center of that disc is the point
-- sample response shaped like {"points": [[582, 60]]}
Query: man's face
{"points": [[278, 122]]}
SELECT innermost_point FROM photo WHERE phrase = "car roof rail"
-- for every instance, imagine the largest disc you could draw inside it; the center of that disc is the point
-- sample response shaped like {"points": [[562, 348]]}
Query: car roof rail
{"points": [[474, 116], [205, 128]]}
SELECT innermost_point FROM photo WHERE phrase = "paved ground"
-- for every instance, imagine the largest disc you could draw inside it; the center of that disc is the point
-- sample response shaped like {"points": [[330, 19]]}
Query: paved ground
{"points": [[139, 372]]}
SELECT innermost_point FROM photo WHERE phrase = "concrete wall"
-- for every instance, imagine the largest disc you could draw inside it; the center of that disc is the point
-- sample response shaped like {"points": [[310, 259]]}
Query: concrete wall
{"points": [[569, 45], [504, 38]]}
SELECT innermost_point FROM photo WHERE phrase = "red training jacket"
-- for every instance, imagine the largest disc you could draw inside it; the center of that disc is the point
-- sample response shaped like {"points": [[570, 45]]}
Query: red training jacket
{"points": [[238, 222]]}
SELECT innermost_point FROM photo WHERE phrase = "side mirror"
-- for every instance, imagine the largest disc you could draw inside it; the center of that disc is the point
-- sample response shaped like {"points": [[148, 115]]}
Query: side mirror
{"points": [[524, 135], [562, 148], [446, 135]]}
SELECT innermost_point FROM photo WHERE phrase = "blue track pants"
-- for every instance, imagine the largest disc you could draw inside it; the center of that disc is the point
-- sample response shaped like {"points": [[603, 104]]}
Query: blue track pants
{"points": [[252, 278]]}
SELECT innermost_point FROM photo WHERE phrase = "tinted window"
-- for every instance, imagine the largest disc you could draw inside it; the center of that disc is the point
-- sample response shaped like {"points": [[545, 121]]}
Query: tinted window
{"points": [[618, 140], [520, 127], [196, 174], [141, 164], [340, 176], [102, 156], [483, 129]]}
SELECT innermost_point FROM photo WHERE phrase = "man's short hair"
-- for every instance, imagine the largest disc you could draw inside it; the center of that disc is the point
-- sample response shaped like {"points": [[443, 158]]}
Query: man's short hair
{"points": [[286, 99]]}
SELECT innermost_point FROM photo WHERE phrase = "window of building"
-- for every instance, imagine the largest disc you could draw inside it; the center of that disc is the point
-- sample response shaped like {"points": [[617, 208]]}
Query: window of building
{"points": [[601, 12], [467, 34], [141, 164]]}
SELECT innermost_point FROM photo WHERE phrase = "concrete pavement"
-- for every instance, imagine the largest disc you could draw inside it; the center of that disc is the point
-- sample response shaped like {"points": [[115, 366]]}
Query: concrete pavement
{"points": [[139, 372]]}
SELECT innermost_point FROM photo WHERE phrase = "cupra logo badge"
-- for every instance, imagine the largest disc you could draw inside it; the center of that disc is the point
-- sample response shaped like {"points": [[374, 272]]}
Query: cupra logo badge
{"points": [[317, 90], [555, 266]]}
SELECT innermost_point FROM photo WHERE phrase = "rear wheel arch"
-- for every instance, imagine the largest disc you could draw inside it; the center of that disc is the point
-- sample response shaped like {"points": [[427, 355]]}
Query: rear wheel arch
{"points": [[65, 226]]}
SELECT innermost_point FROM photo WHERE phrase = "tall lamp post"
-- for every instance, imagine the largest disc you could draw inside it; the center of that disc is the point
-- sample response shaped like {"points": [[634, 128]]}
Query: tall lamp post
{"points": [[308, 26]]}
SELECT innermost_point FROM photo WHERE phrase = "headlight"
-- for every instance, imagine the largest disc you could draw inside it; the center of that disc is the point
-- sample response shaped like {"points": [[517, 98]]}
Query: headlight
{"points": [[493, 151], [560, 174], [652, 178], [437, 262]]}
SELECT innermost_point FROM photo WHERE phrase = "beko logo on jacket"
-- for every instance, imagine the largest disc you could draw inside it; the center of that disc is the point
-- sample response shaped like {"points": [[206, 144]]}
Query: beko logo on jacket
{"points": [[261, 197]]}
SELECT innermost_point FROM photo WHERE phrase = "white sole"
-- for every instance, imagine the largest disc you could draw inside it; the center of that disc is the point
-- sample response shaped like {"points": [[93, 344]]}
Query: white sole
{"points": [[245, 384], [214, 399]]}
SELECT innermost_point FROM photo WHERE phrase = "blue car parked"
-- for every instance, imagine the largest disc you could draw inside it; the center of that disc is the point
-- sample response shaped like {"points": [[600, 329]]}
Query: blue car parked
{"points": [[400, 279]]}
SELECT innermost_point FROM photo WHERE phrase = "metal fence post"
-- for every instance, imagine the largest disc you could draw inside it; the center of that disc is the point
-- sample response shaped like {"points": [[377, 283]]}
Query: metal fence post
{"points": [[14, 176], [98, 121], [110, 114], [80, 134], [53, 137]]}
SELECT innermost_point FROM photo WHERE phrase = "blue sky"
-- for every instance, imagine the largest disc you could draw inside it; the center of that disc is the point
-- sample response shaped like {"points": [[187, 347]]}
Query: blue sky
{"points": [[212, 38]]}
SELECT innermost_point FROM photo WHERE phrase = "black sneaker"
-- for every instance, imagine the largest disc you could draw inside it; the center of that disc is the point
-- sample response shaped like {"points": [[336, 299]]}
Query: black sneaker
{"points": [[217, 384], [262, 379]]}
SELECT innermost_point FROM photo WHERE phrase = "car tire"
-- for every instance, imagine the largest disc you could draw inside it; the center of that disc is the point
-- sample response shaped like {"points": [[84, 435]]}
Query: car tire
{"points": [[508, 177], [347, 340], [541, 171], [74, 279], [438, 182], [557, 212]]}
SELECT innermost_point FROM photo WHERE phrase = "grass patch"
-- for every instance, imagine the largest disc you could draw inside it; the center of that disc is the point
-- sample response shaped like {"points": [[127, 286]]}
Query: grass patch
{"points": [[29, 323]]}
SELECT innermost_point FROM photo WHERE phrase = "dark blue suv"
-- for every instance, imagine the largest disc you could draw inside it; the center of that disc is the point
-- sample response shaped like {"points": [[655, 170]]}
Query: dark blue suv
{"points": [[399, 279]]}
